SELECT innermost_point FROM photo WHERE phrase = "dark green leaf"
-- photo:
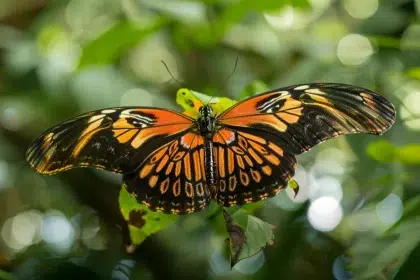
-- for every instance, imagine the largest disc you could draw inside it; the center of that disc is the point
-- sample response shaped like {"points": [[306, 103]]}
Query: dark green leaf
{"points": [[247, 235]]}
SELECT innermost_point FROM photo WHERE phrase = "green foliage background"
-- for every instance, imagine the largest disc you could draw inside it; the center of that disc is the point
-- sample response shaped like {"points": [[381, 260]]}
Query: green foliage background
{"points": [[60, 58]]}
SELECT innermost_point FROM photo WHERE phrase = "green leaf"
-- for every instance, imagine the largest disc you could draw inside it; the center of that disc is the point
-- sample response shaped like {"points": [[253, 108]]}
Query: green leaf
{"points": [[248, 235], [411, 211], [191, 101], [109, 46], [384, 151], [414, 73], [381, 150], [240, 8], [294, 185], [6, 275], [409, 154], [379, 257], [210, 34], [141, 221]]}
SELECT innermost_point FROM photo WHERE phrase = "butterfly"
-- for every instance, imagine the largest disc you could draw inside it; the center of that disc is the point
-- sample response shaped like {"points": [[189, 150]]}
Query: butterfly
{"points": [[176, 164]]}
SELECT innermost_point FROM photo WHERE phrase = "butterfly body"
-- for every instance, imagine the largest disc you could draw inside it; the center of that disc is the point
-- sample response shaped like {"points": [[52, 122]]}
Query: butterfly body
{"points": [[177, 164], [207, 127]]}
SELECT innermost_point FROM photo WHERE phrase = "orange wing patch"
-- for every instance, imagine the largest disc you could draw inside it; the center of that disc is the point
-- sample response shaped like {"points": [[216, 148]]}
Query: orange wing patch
{"points": [[275, 109], [177, 168], [245, 169], [139, 125], [224, 136], [191, 140]]}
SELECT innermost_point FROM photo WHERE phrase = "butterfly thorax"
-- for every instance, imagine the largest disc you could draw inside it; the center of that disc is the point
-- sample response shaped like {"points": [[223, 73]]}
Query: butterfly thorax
{"points": [[205, 121], [206, 126]]}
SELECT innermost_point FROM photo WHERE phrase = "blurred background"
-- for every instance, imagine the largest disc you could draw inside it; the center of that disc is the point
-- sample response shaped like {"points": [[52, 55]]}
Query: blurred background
{"points": [[357, 215]]}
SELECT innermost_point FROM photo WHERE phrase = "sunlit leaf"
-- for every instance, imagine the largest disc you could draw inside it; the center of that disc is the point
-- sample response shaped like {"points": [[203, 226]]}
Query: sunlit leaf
{"points": [[191, 101], [141, 221], [209, 34], [109, 46], [409, 154], [293, 184], [381, 150], [414, 73], [384, 151]]}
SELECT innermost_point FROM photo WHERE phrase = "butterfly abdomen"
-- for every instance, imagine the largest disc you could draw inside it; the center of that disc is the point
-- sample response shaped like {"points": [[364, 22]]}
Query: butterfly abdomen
{"points": [[210, 167]]}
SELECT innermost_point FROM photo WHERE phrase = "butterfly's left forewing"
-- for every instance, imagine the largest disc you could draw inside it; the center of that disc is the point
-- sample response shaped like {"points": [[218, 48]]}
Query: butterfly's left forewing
{"points": [[114, 139]]}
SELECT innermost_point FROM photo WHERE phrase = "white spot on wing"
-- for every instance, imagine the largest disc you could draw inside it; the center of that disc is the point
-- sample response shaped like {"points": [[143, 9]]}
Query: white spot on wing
{"points": [[107, 111], [315, 90], [125, 113], [95, 118], [302, 87], [283, 92], [231, 139]]}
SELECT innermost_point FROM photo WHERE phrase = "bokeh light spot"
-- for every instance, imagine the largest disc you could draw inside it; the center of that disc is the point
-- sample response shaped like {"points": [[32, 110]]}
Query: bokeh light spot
{"points": [[410, 109], [251, 265], [282, 20], [136, 96], [57, 231], [290, 17], [390, 209], [354, 49], [326, 186], [11, 119], [22, 230], [325, 213], [219, 264], [361, 9], [4, 174]]}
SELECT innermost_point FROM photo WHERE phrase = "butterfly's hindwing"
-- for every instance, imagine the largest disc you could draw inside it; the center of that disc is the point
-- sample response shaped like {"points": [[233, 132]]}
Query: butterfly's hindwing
{"points": [[172, 179], [110, 139], [249, 167], [305, 115]]}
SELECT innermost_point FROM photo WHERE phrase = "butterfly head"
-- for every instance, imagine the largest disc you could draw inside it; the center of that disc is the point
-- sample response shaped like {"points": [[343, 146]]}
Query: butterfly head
{"points": [[205, 111], [206, 122]]}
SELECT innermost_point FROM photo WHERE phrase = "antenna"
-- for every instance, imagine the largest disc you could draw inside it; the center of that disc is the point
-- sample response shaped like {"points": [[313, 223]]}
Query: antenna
{"points": [[234, 69], [167, 69], [230, 76]]}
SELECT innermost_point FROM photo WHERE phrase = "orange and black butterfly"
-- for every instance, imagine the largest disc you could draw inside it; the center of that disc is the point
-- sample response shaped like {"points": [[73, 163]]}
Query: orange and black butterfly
{"points": [[176, 164]]}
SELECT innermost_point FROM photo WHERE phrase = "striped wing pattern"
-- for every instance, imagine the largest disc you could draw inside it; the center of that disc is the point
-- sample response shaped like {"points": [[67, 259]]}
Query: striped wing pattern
{"points": [[172, 178], [112, 139], [161, 153], [305, 115], [249, 167]]}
